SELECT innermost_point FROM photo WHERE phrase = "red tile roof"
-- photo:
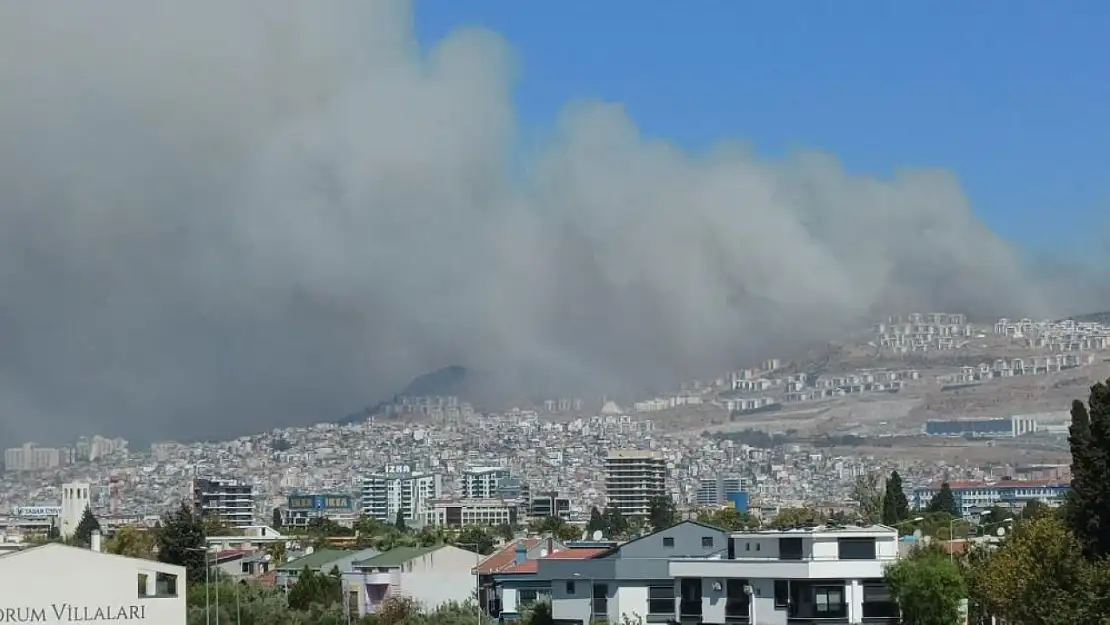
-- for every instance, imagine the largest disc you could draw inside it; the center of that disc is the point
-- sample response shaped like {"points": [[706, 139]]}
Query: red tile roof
{"points": [[532, 566], [504, 559]]}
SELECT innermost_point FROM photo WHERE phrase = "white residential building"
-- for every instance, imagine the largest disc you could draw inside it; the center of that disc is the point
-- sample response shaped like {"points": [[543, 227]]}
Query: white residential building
{"points": [[399, 490], [56, 583], [430, 576], [483, 482], [486, 512], [772, 577]]}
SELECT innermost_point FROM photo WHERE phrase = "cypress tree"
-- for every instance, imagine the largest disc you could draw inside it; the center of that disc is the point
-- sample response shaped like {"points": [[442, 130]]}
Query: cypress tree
{"points": [[895, 506], [85, 528], [945, 501], [1088, 505]]}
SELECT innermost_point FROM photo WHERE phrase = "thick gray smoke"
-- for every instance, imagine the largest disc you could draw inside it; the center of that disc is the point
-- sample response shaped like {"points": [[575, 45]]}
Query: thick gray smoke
{"points": [[217, 217]]}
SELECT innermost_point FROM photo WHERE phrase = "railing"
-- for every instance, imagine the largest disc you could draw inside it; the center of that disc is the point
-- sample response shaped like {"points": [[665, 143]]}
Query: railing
{"points": [[689, 608]]}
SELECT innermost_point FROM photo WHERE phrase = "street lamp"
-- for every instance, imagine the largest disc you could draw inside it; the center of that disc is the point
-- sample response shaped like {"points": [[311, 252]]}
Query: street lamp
{"points": [[916, 519]]}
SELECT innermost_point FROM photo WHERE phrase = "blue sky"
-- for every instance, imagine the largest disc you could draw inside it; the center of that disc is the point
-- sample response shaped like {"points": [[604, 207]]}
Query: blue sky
{"points": [[1010, 95]]}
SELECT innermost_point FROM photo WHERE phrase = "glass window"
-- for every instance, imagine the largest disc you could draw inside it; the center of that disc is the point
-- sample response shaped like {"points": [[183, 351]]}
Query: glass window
{"points": [[790, 548], [668, 541], [856, 548], [706, 541], [661, 600], [570, 587], [782, 593]]}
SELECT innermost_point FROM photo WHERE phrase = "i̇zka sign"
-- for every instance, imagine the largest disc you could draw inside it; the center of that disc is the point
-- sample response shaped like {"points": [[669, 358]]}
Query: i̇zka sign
{"points": [[68, 613]]}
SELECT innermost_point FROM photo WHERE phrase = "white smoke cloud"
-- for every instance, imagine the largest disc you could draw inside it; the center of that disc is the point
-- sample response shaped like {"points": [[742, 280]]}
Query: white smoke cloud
{"points": [[217, 217]]}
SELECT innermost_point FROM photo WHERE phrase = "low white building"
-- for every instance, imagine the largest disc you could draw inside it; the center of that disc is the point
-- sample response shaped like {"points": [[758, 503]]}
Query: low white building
{"points": [[430, 576], [776, 577], [55, 583]]}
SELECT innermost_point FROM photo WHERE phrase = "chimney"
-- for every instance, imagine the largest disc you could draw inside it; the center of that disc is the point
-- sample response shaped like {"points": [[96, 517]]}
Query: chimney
{"points": [[521, 553], [94, 542]]}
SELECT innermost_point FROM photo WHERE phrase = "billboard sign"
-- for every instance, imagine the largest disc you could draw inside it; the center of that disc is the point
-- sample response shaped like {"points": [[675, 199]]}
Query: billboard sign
{"points": [[320, 502]]}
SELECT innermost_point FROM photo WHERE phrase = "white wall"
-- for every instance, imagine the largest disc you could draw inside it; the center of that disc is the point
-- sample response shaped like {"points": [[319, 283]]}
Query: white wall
{"points": [[440, 576], [59, 584]]}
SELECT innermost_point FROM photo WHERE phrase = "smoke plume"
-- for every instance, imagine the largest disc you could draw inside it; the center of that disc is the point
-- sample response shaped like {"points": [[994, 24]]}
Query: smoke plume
{"points": [[218, 217]]}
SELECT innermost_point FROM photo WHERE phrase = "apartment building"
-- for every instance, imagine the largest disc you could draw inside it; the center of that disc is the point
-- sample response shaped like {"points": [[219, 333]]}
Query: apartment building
{"points": [[550, 504], [229, 501], [633, 478], [30, 457], [483, 482], [823, 573], [399, 489], [719, 491]]}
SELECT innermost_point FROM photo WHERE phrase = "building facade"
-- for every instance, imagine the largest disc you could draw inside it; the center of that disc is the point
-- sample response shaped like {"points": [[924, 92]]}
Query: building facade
{"points": [[718, 491], [485, 512], [971, 497], [301, 509], [822, 574], [399, 490], [56, 583], [633, 478], [483, 482], [231, 502]]}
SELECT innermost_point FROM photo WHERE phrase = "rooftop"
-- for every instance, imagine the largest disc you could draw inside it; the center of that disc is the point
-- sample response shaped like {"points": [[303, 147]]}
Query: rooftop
{"points": [[315, 560], [397, 556]]}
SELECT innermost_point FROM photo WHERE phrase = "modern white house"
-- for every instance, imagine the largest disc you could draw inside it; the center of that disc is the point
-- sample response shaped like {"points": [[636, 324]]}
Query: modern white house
{"points": [[431, 576], [55, 583], [783, 577]]}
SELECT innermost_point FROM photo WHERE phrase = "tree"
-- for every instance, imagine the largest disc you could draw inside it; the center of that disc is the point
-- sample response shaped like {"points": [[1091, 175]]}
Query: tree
{"points": [[568, 531], [788, 517], [181, 541], [895, 506], [596, 522], [132, 542], [475, 538], [505, 532], [928, 587], [88, 524], [1038, 576], [662, 513], [314, 588], [277, 520], [944, 501], [539, 614], [728, 518], [1036, 510], [865, 491], [399, 522], [1088, 505], [615, 523]]}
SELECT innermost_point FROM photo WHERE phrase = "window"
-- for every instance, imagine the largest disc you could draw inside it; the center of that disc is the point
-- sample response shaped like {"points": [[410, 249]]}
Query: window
{"points": [[790, 548], [736, 599], [877, 602], [246, 567], [828, 600], [856, 548], [782, 593], [668, 541], [570, 587], [706, 541], [757, 546], [661, 600], [600, 600], [526, 597], [747, 546]]}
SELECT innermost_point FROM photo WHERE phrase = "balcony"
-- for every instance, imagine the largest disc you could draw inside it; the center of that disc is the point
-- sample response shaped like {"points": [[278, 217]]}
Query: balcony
{"points": [[773, 568]]}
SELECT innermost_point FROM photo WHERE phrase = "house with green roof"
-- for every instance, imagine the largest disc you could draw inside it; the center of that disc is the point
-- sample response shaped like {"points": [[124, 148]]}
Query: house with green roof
{"points": [[321, 561], [431, 576]]}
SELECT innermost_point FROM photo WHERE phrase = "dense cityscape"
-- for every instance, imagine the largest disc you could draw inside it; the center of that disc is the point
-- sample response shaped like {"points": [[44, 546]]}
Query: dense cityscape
{"points": [[563, 482]]}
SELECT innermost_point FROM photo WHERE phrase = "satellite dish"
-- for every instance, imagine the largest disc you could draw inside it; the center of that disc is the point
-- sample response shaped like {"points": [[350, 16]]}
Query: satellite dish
{"points": [[1000, 531], [917, 534], [597, 535]]}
